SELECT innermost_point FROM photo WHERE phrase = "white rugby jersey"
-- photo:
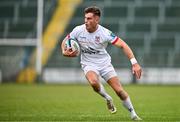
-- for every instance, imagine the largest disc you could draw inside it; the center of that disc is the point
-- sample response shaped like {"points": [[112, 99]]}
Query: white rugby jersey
{"points": [[93, 45]]}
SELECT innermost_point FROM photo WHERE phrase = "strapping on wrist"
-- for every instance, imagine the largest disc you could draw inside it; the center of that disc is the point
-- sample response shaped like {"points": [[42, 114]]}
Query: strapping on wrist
{"points": [[133, 61]]}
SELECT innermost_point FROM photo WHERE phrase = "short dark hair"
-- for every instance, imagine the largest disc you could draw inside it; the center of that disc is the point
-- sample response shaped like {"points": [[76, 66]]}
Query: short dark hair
{"points": [[93, 9]]}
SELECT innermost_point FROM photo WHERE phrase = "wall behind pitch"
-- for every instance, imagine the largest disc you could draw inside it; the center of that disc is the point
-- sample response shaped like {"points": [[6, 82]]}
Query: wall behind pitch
{"points": [[73, 75], [149, 76]]}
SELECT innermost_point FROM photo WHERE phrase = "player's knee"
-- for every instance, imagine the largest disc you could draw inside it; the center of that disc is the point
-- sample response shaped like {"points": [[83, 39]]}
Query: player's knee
{"points": [[94, 83]]}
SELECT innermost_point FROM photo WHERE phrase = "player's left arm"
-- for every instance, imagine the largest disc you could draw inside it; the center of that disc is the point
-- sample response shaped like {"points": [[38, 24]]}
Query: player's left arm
{"points": [[136, 68]]}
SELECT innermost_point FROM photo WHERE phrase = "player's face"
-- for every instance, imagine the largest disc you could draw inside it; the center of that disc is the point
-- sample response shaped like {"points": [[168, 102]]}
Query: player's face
{"points": [[91, 22]]}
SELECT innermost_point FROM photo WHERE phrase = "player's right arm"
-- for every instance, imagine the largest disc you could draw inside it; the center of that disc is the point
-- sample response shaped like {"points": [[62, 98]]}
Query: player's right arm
{"points": [[66, 51]]}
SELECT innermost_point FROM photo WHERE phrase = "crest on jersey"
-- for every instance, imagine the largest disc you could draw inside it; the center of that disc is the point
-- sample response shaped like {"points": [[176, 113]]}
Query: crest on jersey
{"points": [[97, 39]]}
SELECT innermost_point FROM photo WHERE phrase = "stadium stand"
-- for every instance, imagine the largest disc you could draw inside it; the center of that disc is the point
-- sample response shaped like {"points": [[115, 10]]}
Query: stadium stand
{"points": [[18, 20], [150, 27]]}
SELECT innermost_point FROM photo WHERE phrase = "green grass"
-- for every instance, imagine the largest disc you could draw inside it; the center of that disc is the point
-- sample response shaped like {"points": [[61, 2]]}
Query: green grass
{"points": [[80, 103]]}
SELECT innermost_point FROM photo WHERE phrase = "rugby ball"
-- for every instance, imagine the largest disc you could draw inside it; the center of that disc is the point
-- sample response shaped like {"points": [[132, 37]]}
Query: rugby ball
{"points": [[72, 45]]}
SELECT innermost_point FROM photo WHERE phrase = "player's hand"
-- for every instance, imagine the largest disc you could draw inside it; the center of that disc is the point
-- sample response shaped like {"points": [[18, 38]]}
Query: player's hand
{"points": [[68, 52], [136, 70]]}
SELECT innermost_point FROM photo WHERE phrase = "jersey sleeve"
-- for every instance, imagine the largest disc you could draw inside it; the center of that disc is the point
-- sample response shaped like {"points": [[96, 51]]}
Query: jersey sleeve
{"points": [[74, 33], [110, 37]]}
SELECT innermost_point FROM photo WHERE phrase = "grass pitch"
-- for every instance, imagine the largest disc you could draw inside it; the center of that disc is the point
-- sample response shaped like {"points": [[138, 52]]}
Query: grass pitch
{"points": [[80, 103]]}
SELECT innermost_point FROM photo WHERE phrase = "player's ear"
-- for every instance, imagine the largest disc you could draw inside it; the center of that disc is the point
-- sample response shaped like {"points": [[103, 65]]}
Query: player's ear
{"points": [[97, 19]]}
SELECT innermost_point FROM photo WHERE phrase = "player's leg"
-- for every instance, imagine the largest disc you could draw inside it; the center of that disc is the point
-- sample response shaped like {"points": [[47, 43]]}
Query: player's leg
{"points": [[93, 79], [123, 95], [110, 76]]}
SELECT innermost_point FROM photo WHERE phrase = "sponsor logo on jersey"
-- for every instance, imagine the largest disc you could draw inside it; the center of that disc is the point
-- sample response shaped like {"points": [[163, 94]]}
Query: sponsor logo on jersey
{"points": [[82, 37], [89, 50]]}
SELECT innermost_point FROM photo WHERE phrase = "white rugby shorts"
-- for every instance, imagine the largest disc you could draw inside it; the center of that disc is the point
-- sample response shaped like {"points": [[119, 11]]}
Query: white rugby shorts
{"points": [[106, 72]]}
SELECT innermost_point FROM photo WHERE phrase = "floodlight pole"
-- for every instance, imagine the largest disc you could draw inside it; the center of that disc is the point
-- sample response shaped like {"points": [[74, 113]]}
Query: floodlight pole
{"points": [[39, 26]]}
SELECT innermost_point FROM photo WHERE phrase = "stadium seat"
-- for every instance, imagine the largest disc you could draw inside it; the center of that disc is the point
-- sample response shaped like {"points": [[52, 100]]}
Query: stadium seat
{"points": [[128, 1], [136, 43], [149, 12], [114, 27], [155, 58], [28, 12], [69, 28], [172, 11], [175, 2], [163, 43], [10, 2], [117, 57], [152, 2], [176, 60], [21, 29], [122, 2], [115, 12], [93, 2], [1, 27], [138, 28], [6, 12], [79, 12], [169, 27]]}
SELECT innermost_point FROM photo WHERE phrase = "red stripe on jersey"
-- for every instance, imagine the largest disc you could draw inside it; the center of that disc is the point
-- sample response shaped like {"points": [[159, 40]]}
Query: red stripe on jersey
{"points": [[115, 40], [68, 36]]}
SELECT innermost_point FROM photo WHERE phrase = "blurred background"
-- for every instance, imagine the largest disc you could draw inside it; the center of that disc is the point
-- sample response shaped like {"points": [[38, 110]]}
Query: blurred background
{"points": [[31, 32]]}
